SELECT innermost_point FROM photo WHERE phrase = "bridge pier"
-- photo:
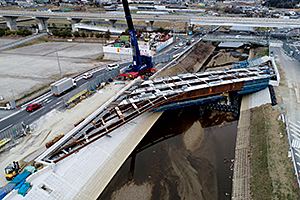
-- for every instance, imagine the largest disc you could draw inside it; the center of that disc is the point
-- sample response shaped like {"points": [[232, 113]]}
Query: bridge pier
{"points": [[111, 22], [42, 22], [73, 22], [11, 22], [149, 25]]}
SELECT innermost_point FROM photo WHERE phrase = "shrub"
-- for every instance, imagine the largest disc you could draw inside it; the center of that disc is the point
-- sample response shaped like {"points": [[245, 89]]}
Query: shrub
{"points": [[76, 34]]}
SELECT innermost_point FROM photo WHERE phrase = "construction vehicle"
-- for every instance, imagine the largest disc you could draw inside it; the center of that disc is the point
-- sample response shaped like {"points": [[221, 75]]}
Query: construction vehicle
{"points": [[141, 64], [12, 170]]}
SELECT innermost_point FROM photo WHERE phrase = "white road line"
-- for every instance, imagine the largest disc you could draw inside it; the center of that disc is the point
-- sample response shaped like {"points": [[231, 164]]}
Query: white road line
{"points": [[37, 111], [11, 115], [6, 128]]}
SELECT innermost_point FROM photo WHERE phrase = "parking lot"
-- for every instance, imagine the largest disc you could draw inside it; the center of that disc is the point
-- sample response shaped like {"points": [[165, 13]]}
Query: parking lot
{"points": [[26, 69]]}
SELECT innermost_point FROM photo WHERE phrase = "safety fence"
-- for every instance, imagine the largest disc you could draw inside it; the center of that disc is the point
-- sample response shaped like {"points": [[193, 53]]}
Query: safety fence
{"points": [[162, 58], [13, 132], [292, 51], [89, 87]]}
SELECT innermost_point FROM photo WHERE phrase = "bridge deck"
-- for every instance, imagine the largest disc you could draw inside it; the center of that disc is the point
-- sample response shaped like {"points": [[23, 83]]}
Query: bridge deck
{"points": [[153, 93]]}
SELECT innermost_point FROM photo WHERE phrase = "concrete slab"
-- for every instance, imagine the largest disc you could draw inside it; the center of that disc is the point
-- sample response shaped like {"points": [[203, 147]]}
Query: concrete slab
{"points": [[81, 50], [41, 49]]}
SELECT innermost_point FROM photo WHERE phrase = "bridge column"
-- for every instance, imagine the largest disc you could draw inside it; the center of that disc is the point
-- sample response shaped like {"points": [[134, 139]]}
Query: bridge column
{"points": [[73, 22], [11, 22], [149, 25], [111, 22], [42, 22]]}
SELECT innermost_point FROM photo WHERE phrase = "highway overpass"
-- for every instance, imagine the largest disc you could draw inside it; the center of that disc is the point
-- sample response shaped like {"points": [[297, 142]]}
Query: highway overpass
{"points": [[75, 17]]}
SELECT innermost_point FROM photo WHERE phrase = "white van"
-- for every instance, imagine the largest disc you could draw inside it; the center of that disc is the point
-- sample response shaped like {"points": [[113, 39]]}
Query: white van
{"points": [[112, 66]]}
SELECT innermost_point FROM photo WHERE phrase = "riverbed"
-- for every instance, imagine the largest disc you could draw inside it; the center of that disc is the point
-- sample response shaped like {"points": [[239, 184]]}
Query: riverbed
{"points": [[183, 156]]}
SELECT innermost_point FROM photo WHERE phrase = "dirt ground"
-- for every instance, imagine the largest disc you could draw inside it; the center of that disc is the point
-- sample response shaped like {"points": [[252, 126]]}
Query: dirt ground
{"points": [[193, 62]]}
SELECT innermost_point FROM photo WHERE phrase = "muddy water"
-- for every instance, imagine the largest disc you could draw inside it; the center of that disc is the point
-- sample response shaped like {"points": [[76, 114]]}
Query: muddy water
{"points": [[179, 159]]}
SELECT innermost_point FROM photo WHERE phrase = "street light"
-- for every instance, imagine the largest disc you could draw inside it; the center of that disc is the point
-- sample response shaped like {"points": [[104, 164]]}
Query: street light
{"points": [[58, 63]]}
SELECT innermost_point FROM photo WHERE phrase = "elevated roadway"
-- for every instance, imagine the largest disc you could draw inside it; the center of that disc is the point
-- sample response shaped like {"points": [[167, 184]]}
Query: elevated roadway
{"points": [[225, 38], [11, 15]]}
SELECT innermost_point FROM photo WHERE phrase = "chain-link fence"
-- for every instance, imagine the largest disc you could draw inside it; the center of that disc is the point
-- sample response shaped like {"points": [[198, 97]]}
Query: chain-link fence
{"points": [[14, 131], [293, 49], [86, 88]]}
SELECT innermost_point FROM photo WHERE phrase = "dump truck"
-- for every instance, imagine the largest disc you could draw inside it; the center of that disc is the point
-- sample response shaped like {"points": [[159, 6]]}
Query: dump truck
{"points": [[61, 86]]}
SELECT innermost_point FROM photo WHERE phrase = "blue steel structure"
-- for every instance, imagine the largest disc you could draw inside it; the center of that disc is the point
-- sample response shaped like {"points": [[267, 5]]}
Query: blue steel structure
{"points": [[140, 63]]}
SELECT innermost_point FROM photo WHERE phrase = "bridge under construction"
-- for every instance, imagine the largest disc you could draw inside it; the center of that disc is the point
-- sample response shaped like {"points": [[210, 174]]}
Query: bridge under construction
{"points": [[158, 95]]}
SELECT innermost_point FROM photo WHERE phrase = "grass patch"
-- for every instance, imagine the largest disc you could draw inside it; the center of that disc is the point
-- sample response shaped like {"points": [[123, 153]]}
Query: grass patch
{"points": [[261, 181], [263, 53]]}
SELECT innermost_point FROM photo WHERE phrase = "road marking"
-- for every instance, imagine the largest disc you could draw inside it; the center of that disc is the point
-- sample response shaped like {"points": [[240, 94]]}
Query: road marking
{"points": [[12, 115], [37, 111], [6, 128]]}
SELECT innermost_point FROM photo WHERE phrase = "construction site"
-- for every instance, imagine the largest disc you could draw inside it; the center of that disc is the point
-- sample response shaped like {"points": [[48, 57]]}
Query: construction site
{"points": [[211, 124]]}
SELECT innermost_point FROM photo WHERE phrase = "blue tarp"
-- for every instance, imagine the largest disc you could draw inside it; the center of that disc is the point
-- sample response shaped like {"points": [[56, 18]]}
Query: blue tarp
{"points": [[12, 184], [6, 189], [23, 190], [19, 178], [20, 184]]}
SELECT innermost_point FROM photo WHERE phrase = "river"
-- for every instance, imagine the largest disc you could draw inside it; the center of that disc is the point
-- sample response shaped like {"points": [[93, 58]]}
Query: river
{"points": [[183, 156]]}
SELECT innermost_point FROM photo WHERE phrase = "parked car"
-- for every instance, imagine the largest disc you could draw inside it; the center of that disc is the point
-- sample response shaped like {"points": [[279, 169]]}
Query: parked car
{"points": [[87, 75], [32, 107], [112, 66], [180, 44]]}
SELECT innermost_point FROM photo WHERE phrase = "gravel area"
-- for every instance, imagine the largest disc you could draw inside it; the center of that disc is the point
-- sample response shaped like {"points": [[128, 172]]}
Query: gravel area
{"points": [[27, 68]]}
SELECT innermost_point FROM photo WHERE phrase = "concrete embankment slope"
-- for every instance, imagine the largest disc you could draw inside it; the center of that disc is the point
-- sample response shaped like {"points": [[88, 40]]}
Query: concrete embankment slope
{"points": [[242, 168]]}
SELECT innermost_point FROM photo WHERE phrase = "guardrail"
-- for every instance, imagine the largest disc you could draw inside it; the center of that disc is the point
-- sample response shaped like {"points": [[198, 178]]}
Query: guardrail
{"points": [[287, 123]]}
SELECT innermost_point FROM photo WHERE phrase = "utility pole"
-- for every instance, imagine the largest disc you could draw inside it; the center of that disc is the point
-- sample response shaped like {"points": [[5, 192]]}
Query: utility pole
{"points": [[58, 63]]}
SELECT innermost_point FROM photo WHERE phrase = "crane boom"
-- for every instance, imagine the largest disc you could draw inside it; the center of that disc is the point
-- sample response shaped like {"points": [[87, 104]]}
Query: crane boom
{"points": [[137, 60]]}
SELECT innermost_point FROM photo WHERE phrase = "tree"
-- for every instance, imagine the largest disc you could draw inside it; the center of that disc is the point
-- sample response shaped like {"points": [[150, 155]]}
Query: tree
{"points": [[97, 35], [25, 32], [66, 26], [2, 32], [76, 34], [55, 32], [53, 24], [107, 34], [161, 29], [82, 34], [91, 34]]}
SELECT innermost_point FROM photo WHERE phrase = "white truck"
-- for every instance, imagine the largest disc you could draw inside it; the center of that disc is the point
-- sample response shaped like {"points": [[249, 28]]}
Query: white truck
{"points": [[62, 85]]}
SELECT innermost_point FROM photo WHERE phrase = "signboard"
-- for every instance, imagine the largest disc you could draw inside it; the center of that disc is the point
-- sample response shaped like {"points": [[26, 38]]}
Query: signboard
{"points": [[144, 50], [162, 45]]}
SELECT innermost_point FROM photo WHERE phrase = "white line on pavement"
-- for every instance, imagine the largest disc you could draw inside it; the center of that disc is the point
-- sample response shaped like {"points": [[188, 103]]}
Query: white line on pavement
{"points": [[37, 111], [5, 128], [12, 115]]}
